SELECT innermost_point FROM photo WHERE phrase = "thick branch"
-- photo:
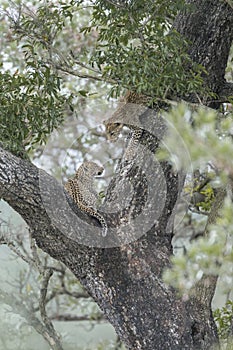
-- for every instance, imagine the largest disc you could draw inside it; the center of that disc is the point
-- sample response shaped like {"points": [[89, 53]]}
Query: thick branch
{"points": [[24, 187]]}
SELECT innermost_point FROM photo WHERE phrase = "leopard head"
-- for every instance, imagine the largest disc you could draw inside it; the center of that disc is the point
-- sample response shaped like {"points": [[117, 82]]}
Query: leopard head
{"points": [[112, 130], [90, 169]]}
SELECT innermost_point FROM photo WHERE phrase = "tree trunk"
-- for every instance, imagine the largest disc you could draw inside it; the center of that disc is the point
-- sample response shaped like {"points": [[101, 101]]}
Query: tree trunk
{"points": [[126, 279], [208, 26]]}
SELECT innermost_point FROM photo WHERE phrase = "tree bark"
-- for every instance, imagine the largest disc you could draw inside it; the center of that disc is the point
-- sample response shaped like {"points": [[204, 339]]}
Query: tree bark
{"points": [[207, 25], [126, 280]]}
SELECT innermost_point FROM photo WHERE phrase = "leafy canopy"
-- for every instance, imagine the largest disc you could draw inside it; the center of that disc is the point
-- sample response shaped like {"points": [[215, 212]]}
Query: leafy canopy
{"points": [[31, 99], [135, 48], [138, 48]]}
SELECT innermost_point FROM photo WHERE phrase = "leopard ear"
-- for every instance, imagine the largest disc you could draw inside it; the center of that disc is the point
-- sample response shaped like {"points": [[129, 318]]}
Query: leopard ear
{"points": [[86, 166], [111, 122], [82, 167]]}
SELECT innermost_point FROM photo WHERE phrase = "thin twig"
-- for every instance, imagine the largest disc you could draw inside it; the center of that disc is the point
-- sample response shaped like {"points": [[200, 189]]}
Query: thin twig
{"points": [[52, 334], [67, 317], [85, 76]]}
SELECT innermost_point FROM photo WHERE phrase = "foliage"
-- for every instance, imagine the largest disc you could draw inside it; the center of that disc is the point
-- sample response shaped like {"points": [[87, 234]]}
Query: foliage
{"points": [[201, 194], [31, 106], [212, 132], [139, 50], [223, 318], [207, 255], [133, 42], [31, 97], [212, 149], [208, 193]]}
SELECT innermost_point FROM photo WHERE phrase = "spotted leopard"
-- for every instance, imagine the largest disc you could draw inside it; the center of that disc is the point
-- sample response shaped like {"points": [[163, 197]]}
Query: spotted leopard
{"points": [[127, 114], [82, 191]]}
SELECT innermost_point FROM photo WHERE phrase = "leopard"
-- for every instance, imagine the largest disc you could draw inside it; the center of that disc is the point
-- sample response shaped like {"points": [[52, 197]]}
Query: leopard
{"points": [[127, 114], [81, 189]]}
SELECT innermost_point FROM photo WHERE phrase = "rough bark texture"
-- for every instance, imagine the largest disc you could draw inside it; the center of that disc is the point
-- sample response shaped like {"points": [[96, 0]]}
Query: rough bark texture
{"points": [[126, 281], [208, 27]]}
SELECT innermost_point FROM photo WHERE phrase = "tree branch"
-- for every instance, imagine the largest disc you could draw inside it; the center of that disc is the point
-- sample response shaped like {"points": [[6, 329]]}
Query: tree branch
{"points": [[42, 305], [68, 70], [68, 318]]}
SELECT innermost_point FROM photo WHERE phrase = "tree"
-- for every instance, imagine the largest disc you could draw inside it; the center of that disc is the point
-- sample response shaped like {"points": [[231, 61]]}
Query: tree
{"points": [[185, 49]]}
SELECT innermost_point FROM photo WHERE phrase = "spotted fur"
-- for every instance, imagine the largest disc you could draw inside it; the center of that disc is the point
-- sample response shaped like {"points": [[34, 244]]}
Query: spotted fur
{"points": [[131, 107], [113, 130], [82, 191]]}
